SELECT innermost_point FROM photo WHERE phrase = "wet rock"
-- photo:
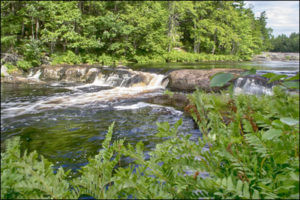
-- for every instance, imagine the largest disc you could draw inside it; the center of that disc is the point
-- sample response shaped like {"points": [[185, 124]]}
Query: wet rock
{"points": [[19, 80], [76, 73], [176, 100], [190, 79], [52, 72], [4, 71], [91, 74]]}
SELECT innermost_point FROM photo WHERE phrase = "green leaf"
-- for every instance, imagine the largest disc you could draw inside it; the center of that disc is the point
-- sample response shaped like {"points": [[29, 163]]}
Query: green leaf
{"points": [[271, 134], [221, 79], [255, 195], [268, 75], [289, 121], [291, 84], [296, 77], [246, 192], [277, 77], [250, 72]]}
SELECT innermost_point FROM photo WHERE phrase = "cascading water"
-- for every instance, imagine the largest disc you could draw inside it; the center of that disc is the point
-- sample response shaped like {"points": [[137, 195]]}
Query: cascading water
{"points": [[66, 118], [253, 85], [124, 84], [35, 75]]}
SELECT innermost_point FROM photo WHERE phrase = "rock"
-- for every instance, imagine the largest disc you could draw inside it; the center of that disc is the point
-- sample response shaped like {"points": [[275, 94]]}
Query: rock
{"points": [[52, 72], [73, 74], [190, 79], [19, 80], [4, 71], [276, 56], [176, 100]]}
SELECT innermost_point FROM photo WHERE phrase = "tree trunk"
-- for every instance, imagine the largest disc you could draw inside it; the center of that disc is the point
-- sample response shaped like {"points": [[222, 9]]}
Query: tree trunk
{"points": [[215, 42], [196, 41], [32, 29], [171, 30], [37, 26], [65, 45], [116, 7], [23, 28], [233, 47]]}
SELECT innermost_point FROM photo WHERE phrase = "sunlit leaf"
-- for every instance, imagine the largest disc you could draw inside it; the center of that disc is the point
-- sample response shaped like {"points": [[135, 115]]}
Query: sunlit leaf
{"points": [[221, 79]]}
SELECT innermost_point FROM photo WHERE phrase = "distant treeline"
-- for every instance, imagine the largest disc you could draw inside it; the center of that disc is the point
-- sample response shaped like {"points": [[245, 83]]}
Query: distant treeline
{"points": [[283, 43], [130, 30]]}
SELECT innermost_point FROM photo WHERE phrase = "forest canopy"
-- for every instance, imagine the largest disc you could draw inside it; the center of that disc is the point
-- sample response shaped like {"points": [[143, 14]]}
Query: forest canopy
{"points": [[88, 31], [283, 43]]}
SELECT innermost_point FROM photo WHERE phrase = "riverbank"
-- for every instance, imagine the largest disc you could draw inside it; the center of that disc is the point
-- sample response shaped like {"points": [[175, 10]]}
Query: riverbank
{"points": [[276, 56]]}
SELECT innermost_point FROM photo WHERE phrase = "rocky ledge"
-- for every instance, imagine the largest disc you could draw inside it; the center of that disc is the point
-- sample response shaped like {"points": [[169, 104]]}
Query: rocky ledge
{"points": [[276, 56], [189, 79]]}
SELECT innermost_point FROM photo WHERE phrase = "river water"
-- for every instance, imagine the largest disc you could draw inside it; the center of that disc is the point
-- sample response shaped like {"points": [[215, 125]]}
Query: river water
{"points": [[66, 122]]}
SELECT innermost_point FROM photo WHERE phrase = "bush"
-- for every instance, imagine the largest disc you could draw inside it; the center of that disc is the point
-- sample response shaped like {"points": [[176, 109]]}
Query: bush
{"points": [[25, 65], [106, 60], [32, 53], [90, 59], [66, 58]]}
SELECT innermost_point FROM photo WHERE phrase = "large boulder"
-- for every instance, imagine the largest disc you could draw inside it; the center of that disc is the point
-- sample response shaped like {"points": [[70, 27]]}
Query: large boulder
{"points": [[190, 79]]}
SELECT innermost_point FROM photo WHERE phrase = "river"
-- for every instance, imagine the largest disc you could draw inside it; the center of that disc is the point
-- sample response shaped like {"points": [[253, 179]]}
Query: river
{"points": [[66, 122]]}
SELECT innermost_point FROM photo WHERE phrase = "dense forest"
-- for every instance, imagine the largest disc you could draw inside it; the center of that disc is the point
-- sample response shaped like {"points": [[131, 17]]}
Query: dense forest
{"points": [[283, 43], [92, 32]]}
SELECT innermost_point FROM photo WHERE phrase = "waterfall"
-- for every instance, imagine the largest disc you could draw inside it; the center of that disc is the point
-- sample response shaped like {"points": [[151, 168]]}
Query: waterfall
{"points": [[36, 75], [253, 85]]}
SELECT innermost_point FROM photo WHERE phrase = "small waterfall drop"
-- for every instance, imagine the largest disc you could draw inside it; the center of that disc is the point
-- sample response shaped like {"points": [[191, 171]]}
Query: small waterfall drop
{"points": [[254, 85], [35, 75]]}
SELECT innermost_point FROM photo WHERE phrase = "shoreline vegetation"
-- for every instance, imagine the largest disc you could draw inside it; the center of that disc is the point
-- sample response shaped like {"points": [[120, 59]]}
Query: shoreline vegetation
{"points": [[36, 33], [249, 149]]}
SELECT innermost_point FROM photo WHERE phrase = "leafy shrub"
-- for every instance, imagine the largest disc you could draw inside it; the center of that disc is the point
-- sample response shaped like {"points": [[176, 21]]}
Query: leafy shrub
{"points": [[11, 68], [249, 149], [32, 53], [25, 65], [106, 60], [66, 58]]}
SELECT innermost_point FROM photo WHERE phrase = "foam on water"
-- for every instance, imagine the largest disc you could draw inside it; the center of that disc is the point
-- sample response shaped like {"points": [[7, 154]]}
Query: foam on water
{"points": [[251, 87], [80, 98], [35, 76], [142, 105]]}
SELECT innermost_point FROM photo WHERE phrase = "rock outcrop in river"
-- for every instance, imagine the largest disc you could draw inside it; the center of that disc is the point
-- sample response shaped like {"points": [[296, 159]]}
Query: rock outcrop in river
{"points": [[190, 79], [276, 56]]}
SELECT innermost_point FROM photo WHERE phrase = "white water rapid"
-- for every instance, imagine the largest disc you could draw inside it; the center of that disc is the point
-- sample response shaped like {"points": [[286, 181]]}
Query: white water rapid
{"points": [[122, 87]]}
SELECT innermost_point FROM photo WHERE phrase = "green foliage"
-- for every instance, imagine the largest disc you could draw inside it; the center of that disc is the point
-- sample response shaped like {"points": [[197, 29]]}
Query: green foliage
{"points": [[23, 64], [283, 43], [66, 58], [290, 83], [168, 92], [142, 32], [249, 149], [30, 176], [10, 67], [32, 52], [106, 60], [220, 79]]}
